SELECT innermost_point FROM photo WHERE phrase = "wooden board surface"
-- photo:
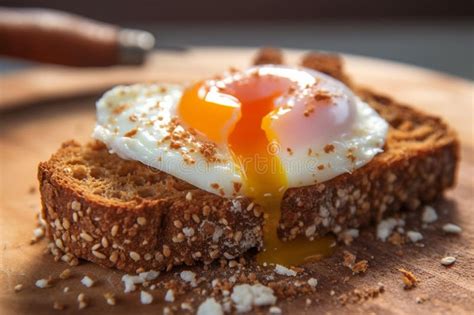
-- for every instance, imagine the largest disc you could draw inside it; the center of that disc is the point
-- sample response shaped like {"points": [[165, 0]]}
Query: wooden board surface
{"points": [[29, 134]]}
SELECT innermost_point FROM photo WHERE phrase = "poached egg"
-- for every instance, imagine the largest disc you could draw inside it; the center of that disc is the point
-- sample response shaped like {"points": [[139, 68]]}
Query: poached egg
{"points": [[252, 133]]}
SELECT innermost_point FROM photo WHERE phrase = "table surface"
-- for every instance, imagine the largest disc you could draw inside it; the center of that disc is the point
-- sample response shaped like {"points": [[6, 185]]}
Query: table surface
{"points": [[31, 132]]}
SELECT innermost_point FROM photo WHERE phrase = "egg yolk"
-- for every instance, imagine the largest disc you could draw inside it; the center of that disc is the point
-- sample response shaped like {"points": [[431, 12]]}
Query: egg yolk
{"points": [[238, 114]]}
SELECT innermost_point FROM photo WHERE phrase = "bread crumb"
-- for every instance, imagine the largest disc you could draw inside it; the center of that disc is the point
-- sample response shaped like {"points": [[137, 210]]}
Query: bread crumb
{"points": [[38, 233], [429, 215], [246, 296], [189, 276], [210, 307], [186, 306], [313, 282], [421, 299], [348, 259], [145, 297], [282, 270], [169, 296], [408, 278], [110, 298], [360, 267], [385, 227], [448, 260], [18, 287], [129, 283], [414, 236], [87, 281], [452, 228], [66, 274], [82, 301], [58, 306], [43, 283]]}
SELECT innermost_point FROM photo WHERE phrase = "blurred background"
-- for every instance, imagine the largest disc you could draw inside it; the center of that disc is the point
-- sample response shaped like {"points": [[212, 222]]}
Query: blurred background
{"points": [[434, 34]]}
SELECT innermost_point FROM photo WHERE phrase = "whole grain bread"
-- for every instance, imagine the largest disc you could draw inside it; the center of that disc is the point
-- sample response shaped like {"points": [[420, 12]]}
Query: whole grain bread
{"points": [[123, 214]]}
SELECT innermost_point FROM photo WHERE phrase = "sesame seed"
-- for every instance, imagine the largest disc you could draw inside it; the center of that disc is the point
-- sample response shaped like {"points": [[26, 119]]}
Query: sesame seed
{"points": [[98, 254], [238, 236], [66, 224], [166, 251], [57, 224], [189, 196], [177, 224], [74, 217], [196, 218], [214, 254], [18, 287], [113, 257], [86, 237], [159, 257], [141, 220], [178, 238], [59, 243], [223, 221], [135, 256], [206, 210], [104, 242], [114, 230], [76, 206], [96, 246]]}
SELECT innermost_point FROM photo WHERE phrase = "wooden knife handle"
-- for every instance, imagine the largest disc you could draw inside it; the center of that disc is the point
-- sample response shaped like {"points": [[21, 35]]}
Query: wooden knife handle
{"points": [[62, 38]]}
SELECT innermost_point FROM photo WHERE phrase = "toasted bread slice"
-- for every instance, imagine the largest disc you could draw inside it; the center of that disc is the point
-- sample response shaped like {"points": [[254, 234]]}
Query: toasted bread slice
{"points": [[123, 214]]}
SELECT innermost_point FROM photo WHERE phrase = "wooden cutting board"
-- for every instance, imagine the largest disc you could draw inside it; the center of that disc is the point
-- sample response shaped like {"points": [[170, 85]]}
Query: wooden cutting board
{"points": [[48, 105]]}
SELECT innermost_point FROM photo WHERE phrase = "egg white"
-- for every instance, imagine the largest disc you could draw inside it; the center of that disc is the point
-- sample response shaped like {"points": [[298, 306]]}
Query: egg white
{"points": [[147, 145]]}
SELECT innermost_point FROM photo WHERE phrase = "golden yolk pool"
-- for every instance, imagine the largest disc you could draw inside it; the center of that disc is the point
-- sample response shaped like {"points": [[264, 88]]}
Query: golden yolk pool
{"points": [[238, 115]]}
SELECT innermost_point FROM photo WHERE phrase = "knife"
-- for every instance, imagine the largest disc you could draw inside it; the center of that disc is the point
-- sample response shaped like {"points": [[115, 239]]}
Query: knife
{"points": [[57, 37]]}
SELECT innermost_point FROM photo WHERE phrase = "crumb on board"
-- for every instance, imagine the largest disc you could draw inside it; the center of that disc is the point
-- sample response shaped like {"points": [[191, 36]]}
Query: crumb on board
{"points": [[409, 279], [448, 260]]}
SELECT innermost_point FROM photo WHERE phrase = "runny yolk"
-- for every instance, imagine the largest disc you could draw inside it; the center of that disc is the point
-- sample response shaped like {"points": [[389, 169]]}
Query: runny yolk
{"points": [[254, 147]]}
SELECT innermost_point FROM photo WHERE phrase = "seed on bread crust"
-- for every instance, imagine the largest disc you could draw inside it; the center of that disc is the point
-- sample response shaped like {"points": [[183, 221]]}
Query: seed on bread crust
{"points": [[135, 256]]}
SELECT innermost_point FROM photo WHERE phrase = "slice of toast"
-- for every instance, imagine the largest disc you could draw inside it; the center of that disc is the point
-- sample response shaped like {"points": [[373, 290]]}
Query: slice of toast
{"points": [[123, 214]]}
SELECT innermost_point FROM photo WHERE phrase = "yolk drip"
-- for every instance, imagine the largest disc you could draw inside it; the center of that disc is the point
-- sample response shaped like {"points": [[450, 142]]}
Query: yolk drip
{"points": [[251, 142]]}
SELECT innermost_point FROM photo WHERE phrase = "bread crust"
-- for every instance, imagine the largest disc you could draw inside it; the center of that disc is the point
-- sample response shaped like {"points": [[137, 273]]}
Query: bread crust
{"points": [[188, 225], [142, 234]]}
